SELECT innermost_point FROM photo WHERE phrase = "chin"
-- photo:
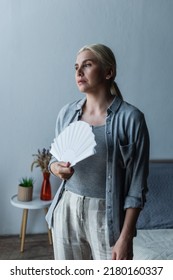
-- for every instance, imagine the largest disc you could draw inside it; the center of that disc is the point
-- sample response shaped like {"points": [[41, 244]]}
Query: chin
{"points": [[81, 89]]}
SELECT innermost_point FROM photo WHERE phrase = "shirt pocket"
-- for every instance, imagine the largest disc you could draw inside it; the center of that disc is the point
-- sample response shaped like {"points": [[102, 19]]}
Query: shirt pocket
{"points": [[127, 153]]}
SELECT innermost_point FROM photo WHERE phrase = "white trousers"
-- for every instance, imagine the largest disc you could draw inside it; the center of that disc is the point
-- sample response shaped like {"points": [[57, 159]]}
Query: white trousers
{"points": [[80, 230]]}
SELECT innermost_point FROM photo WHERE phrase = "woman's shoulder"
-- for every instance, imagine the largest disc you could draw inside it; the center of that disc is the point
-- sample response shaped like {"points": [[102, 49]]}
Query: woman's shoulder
{"points": [[69, 110], [130, 110], [75, 105], [67, 113]]}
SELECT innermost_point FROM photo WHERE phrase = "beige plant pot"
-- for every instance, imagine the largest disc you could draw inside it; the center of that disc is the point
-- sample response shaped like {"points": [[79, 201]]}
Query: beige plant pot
{"points": [[25, 193]]}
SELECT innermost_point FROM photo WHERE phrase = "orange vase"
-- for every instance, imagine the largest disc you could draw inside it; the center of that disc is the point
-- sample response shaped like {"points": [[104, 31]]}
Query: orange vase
{"points": [[46, 187]]}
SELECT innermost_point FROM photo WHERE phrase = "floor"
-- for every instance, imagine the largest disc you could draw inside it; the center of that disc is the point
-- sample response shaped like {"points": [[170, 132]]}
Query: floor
{"points": [[36, 247]]}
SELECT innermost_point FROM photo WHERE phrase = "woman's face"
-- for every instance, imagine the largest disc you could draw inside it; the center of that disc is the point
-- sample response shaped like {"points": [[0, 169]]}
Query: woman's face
{"points": [[89, 75]]}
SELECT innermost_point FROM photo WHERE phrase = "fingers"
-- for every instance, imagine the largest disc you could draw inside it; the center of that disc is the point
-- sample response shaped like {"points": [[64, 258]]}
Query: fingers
{"points": [[122, 250], [65, 171], [114, 256], [62, 170]]}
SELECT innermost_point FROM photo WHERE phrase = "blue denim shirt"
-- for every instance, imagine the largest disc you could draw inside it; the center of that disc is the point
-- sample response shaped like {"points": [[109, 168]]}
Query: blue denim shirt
{"points": [[127, 141]]}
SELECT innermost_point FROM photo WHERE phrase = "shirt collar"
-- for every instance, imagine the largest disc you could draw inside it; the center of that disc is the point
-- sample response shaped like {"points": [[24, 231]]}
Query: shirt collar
{"points": [[114, 105], [80, 104], [112, 108]]}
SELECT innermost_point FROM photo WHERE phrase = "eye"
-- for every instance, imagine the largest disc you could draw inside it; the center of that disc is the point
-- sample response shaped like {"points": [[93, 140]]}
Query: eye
{"points": [[87, 65]]}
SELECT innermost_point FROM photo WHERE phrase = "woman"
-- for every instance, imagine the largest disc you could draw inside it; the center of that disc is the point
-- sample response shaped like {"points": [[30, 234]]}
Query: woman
{"points": [[94, 213]]}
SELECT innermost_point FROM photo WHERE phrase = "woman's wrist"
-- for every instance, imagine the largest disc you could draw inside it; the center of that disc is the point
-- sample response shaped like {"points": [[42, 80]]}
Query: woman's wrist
{"points": [[51, 168]]}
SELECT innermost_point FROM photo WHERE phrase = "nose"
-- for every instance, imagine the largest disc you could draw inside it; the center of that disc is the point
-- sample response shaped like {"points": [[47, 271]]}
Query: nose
{"points": [[79, 72]]}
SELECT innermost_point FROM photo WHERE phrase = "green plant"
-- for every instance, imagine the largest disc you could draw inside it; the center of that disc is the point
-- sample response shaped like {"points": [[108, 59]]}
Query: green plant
{"points": [[42, 159], [26, 182]]}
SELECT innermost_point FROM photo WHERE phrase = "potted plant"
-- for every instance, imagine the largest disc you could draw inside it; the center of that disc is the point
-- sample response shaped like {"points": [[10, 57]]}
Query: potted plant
{"points": [[42, 159], [25, 189]]}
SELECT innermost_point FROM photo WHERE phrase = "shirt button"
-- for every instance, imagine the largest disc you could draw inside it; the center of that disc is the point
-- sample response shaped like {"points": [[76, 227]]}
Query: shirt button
{"points": [[109, 177]]}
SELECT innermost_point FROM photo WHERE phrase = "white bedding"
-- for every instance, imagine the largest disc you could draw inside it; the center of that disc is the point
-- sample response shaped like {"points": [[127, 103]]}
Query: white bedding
{"points": [[155, 244]]}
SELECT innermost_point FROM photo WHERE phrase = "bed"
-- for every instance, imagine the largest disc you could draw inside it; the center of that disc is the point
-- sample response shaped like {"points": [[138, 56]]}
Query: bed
{"points": [[154, 238]]}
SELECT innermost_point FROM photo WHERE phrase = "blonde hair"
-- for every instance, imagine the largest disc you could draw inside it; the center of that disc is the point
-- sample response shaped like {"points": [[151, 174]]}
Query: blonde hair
{"points": [[107, 59]]}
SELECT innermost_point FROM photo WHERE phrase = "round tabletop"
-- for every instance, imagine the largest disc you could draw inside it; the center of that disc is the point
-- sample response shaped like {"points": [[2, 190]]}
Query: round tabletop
{"points": [[35, 203]]}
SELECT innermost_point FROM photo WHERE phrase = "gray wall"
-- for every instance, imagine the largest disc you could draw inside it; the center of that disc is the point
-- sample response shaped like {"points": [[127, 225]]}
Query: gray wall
{"points": [[38, 44]]}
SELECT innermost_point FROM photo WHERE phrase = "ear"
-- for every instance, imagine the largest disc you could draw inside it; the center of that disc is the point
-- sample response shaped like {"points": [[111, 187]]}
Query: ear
{"points": [[109, 74]]}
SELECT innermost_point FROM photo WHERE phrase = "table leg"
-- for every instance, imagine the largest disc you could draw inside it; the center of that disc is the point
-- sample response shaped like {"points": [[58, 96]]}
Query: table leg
{"points": [[49, 231], [23, 229]]}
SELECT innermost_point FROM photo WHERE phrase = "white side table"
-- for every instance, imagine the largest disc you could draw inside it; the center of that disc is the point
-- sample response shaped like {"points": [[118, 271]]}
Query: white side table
{"points": [[36, 203]]}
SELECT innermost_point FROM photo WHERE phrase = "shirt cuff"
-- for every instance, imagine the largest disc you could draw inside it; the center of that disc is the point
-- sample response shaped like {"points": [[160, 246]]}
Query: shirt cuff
{"points": [[133, 202]]}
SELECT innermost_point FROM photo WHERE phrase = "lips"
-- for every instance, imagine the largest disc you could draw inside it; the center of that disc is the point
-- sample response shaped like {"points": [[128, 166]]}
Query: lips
{"points": [[81, 82]]}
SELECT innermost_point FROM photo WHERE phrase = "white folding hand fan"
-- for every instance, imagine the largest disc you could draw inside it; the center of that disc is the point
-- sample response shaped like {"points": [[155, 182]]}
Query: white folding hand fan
{"points": [[75, 143]]}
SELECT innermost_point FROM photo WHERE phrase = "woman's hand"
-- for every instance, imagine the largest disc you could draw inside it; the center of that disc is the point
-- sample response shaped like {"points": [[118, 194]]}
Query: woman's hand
{"points": [[122, 250], [62, 170]]}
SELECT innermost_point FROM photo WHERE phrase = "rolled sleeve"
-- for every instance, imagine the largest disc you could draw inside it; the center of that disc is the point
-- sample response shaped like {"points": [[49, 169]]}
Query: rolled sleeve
{"points": [[133, 202]]}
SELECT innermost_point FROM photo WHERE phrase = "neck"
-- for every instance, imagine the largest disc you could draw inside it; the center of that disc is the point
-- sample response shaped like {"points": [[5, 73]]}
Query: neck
{"points": [[95, 108], [98, 104]]}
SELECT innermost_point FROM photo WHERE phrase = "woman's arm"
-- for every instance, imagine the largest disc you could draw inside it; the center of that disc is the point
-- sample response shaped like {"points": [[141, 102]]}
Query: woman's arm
{"points": [[123, 248]]}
